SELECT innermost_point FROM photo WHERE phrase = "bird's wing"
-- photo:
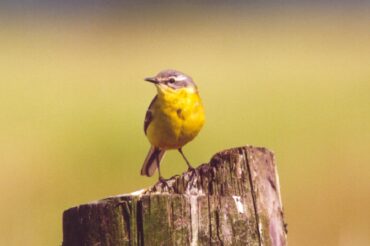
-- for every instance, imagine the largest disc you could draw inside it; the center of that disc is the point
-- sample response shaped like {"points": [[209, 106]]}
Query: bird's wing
{"points": [[149, 115]]}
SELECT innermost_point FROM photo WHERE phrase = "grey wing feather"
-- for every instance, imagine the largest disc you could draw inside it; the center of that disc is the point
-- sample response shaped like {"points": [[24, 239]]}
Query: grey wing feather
{"points": [[149, 115]]}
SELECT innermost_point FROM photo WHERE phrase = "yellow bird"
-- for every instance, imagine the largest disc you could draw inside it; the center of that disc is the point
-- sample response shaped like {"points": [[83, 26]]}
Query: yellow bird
{"points": [[174, 117]]}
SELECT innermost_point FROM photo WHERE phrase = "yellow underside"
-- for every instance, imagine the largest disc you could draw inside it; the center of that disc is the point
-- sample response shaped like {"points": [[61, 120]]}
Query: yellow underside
{"points": [[178, 116]]}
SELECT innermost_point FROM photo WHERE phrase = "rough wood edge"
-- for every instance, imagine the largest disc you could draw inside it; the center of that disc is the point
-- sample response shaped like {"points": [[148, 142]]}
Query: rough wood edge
{"points": [[238, 173]]}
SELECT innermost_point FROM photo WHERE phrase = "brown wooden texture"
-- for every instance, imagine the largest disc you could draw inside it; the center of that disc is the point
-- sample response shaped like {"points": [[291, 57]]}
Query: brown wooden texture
{"points": [[233, 200]]}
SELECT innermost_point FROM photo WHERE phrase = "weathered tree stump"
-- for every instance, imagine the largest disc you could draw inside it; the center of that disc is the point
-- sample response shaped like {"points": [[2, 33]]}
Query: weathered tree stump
{"points": [[233, 200]]}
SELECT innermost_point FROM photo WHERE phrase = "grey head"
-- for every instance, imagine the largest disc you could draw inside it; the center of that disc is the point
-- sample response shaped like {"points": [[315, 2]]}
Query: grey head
{"points": [[173, 79]]}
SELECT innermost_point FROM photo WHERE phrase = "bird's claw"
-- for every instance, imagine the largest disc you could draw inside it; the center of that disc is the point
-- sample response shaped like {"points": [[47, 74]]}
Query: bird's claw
{"points": [[191, 169], [163, 181]]}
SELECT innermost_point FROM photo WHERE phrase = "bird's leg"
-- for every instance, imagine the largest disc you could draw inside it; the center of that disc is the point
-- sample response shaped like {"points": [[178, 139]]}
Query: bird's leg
{"points": [[190, 168], [160, 177]]}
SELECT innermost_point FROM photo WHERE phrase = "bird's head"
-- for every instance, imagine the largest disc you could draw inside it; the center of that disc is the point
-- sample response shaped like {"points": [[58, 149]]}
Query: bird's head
{"points": [[172, 80]]}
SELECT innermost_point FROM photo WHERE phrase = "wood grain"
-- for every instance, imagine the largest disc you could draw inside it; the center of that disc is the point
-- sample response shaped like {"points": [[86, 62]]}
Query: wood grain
{"points": [[232, 200]]}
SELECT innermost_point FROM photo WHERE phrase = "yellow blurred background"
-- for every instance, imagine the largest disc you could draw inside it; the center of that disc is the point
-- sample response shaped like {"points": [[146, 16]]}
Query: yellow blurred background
{"points": [[295, 79]]}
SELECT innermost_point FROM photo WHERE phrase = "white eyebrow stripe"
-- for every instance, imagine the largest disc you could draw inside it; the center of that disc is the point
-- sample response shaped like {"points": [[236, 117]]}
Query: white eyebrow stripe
{"points": [[181, 78]]}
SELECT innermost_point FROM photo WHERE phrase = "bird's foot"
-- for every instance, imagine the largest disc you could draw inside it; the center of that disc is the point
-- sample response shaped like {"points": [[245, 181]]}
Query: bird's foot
{"points": [[193, 171], [174, 176], [163, 182]]}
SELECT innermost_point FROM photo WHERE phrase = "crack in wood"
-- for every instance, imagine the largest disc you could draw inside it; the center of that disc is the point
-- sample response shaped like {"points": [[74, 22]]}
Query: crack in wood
{"points": [[165, 214], [253, 197]]}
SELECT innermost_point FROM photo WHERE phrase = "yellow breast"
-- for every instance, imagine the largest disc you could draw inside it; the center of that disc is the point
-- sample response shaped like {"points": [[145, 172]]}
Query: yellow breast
{"points": [[178, 116]]}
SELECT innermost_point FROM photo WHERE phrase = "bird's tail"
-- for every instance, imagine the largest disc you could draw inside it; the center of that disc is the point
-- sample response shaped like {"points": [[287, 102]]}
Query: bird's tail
{"points": [[152, 161]]}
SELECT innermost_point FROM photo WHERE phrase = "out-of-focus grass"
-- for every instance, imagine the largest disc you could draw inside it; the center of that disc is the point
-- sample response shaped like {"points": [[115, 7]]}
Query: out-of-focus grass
{"points": [[72, 103]]}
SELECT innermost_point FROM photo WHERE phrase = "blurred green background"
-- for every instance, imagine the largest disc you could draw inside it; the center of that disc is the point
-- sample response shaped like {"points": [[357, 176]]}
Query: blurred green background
{"points": [[291, 77]]}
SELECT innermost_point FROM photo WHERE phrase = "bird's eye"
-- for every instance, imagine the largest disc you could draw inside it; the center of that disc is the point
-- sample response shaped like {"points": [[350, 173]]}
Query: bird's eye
{"points": [[171, 80]]}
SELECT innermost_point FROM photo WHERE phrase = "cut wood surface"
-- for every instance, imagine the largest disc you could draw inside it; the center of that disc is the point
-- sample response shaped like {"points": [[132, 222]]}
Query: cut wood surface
{"points": [[233, 200]]}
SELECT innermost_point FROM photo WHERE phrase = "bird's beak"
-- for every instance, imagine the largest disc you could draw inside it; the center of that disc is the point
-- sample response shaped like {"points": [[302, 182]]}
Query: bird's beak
{"points": [[153, 80]]}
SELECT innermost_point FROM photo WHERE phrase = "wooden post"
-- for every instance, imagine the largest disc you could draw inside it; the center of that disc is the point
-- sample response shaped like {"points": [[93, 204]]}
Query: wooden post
{"points": [[233, 200]]}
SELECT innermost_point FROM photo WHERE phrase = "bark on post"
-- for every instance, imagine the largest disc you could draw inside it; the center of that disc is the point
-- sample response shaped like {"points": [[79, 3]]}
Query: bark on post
{"points": [[233, 200]]}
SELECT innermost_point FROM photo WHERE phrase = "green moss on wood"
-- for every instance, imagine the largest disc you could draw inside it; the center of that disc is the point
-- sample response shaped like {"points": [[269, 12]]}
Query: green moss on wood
{"points": [[162, 215]]}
